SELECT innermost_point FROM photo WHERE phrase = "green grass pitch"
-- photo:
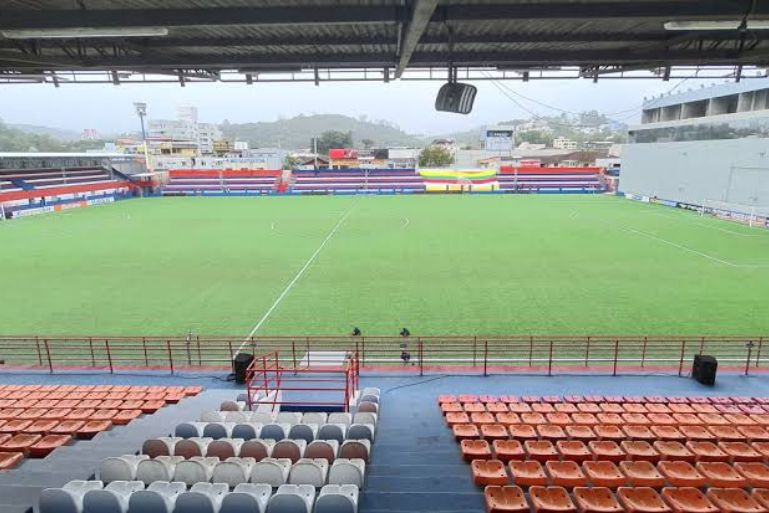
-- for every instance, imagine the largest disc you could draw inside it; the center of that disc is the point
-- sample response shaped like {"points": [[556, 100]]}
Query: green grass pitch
{"points": [[437, 264]]}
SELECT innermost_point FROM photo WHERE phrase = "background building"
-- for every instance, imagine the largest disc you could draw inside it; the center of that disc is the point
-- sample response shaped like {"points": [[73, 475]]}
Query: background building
{"points": [[185, 131]]}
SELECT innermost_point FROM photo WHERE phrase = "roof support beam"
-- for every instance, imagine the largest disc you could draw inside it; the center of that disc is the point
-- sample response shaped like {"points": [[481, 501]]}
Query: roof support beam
{"points": [[422, 12]]}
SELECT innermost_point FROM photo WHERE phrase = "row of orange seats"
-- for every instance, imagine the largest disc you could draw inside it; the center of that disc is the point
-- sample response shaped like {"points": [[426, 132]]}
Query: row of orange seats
{"points": [[69, 404], [649, 399], [575, 450], [610, 432], [95, 392], [627, 473], [596, 408], [511, 499]]}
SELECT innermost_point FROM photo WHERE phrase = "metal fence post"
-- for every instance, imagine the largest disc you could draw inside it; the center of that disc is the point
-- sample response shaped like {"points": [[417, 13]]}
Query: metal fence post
{"points": [[485, 357], [475, 341], [200, 355], [681, 362], [531, 349], [550, 360], [109, 356], [48, 354], [749, 345], [39, 353], [643, 352], [146, 355], [170, 356], [616, 356], [421, 358], [758, 351], [293, 354], [587, 351], [93, 357]]}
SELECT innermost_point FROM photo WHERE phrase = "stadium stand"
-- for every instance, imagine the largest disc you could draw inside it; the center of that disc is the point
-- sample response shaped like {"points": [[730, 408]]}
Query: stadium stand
{"points": [[550, 179], [353, 181], [184, 182]]}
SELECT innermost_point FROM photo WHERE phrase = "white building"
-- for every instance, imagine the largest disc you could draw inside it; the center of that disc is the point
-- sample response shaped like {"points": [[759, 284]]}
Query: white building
{"points": [[563, 143], [186, 129]]}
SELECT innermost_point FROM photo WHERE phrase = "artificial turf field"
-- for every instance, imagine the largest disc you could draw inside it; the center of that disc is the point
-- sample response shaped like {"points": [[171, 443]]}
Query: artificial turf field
{"points": [[440, 265]]}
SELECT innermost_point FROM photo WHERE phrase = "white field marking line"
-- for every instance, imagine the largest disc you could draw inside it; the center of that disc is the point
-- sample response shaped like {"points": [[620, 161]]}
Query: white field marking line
{"points": [[272, 226], [703, 224], [573, 214], [295, 279], [405, 222], [694, 251]]}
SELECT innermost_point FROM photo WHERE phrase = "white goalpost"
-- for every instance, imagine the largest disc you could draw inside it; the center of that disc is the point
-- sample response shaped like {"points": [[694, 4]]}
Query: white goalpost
{"points": [[750, 215]]}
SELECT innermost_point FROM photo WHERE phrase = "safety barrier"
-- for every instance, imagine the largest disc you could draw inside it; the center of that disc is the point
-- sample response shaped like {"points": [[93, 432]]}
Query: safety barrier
{"points": [[471, 354]]}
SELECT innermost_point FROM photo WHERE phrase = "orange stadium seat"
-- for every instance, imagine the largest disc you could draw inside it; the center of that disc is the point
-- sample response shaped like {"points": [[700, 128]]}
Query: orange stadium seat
{"points": [[15, 426], [47, 444], [92, 428], [762, 448], [41, 427], [565, 473], [662, 419], [668, 433], [20, 443], [80, 414], [505, 499], [447, 399], [713, 419], [697, 433], [573, 450], [8, 460], [584, 419], [631, 407], [551, 432], [582, 433], [103, 415], [473, 407], [527, 473], [488, 398], [497, 408], [604, 473], [540, 450], [468, 398], [642, 473], [687, 419], [551, 499], [756, 473], [707, 451], [681, 473], [559, 419], [688, 500], [489, 472], [704, 408], [761, 495], [754, 433], [596, 500], [674, 451], [734, 500], [641, 500], [681, 408], [721, 475], [740, 451], [639, 432], [484, 417], [507, 450], [638, 450], [518, 407], [739, 419], [607, 450], [523, 432], [67, 427], [533, 418], [612, 408], [658, 408], [542, 408], [565, 408], [494, 432], [509, 399], [31, 414], [475, 450], [445, 408], [636, 419], [453, 418], [609, 432], [465, 431], [508, 418], [589, 408], [610, 419]]}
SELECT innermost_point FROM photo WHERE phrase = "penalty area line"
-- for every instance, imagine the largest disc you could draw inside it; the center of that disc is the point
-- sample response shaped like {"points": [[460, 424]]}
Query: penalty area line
{"points": [[295, 279]]}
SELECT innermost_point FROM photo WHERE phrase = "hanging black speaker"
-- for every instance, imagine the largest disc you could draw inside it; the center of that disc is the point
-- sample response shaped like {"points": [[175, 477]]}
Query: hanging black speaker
{"points": [[240, 365], [704, 369]]}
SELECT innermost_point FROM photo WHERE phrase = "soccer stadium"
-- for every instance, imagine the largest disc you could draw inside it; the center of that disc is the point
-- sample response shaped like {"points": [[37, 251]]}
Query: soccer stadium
{"points": [[188, 327]]}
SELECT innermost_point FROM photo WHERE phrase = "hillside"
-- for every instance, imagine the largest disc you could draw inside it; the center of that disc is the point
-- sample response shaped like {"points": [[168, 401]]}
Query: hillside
{"points": [[61, 134], [296, 133]]}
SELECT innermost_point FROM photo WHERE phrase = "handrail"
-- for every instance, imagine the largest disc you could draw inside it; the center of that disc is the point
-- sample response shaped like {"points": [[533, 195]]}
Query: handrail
{"points": [[481, 354]]}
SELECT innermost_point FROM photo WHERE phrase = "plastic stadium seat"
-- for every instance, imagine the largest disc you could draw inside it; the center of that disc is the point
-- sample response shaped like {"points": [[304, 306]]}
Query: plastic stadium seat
{"points": [[687, 419], [41, 427], [120, 468], [92, 428], [337, 499], [31, 413], [565, 473], [197, 469], [494, 432], [573, 450], [533, 418], [609, 432], [488, 472], [192, 447], [47, 444], [739, 419], [688, 500], [271, 471], [482, 418], [468, 398], [15, 426], [202, 498], [756, 473], [68, 498], [507, 418], [661, 419], [707, 451], [505, 499], [611, 408], [634, 406], [507, 450], [523, 432], [224, 448], [734, 500], [658, 408], [681, 408], [346, 471], [307, 471], [761, 495], [527, 473], [162, 468], [641, 500], [581, 433], [113, 498], [8, 460], [355, 449], [639, 419], [551, 499], [584, 419], [454, 418], [159, 497], [446, 398], [509, 399], [674, 451], [67, 427], [703, 408], [233, 471], [361, 431], [232, 406], [540, 450], [10, 413], [596, 500], [642, 473], [551, 432], [604, 473], [497, 407], [451, 408], [325, 449], [566, 408], [607, 450], [190, 429], [475, 450], [639, 432], [762, 448], [163, 446], [542, 408], [465, 431], [721, 475], [103, 414], [217, 430], [740, 451], [638, 450], [473, 407], [247, 498], [754, 433], [668, 433], [574, 399], [518, 407], [681, 473], [487, 398], [713, 419], [697, 433], [292, 499], [291, 449], [610, 419], [589, 408], [332, 432], [20, 443]]}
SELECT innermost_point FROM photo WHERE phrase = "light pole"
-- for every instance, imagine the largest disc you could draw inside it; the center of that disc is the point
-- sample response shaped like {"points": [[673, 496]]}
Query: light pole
{"points": [[141, 111]]}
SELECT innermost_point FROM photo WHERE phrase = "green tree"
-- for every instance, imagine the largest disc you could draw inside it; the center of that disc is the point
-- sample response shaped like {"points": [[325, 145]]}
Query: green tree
{"points": [[334, 139], [435, 156], [367, 143]]}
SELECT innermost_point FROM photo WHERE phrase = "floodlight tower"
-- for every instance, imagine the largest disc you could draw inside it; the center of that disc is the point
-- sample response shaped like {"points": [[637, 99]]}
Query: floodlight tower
{"points": [[141, 111]]}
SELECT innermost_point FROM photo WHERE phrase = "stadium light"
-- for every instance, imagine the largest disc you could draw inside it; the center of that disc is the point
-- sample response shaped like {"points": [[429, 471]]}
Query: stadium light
{"points": [[85, 32], [716, 25]]}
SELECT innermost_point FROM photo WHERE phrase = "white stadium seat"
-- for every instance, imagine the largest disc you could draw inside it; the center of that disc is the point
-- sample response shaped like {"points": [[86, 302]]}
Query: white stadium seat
{"points": [[237, 416], [113, 498], [365, 418], [310, 472], [263, 417], [233, 471], [247, 498], [288, 417], [232, 406], [159, 497], [334, 431], [198, 469], [271, 471], [347, 471], [212, 416], [313, 417], [292, 499], [355, 449], [337, 499], [326, 449], [340, 418], [120, 468], [162, 468], [67, 499], [306, 432], [202, 498], [371, 391], [370, 398], [367, 406]]}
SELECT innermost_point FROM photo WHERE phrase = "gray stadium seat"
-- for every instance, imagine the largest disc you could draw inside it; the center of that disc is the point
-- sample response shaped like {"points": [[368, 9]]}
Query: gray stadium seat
{"points": [[360, 432], [271, 471], [360, 449], [247, 430], [202, 498], [334, 431], [337, 499], [292, 499], [162, 468], [347, 471], [326, 449], [257, 449], [120, 468], [190, 429], [307, 471], [197, 469], [247, 498], [159, 497], [233, 471], [275, 431], [67, 499], [306, 432], [113, 498], [217, 430]]}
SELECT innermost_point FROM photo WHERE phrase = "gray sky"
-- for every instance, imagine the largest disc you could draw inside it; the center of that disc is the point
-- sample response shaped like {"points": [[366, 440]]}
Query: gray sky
{"points": [[109, 108]]}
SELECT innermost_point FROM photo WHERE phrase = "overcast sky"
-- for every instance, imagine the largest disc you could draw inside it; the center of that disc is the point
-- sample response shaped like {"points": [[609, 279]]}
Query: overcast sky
{"points": [[109, 109]]}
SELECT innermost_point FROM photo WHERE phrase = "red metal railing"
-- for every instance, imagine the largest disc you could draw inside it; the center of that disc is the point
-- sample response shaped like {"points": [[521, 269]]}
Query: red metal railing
{"points": [[269, 382]]}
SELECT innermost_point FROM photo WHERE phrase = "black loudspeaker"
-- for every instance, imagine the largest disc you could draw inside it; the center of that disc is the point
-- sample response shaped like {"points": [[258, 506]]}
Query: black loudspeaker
{"points": [[239, 366], [704, 369]]}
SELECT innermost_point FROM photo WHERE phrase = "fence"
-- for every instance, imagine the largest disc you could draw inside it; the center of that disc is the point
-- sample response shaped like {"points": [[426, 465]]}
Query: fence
{"points": [[467, 354]]}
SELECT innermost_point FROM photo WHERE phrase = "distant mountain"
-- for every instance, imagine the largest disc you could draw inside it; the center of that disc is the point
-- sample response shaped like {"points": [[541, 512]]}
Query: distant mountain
{"points": [[296, 133], [61, 134]]}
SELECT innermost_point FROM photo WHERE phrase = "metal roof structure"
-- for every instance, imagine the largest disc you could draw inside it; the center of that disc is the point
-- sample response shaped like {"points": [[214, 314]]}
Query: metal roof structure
{"points": [[189, 40]]}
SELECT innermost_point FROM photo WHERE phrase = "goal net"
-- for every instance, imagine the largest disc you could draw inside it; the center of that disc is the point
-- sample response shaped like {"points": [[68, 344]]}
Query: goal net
{"points": [[751, 215]]}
